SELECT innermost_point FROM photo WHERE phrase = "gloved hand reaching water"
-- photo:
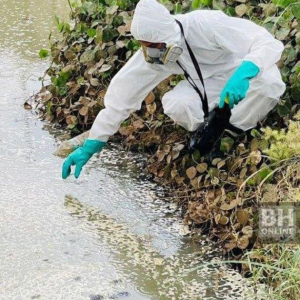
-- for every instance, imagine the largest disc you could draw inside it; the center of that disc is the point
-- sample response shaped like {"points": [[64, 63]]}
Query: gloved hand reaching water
{"points": [[237, 86], [81, 156]]}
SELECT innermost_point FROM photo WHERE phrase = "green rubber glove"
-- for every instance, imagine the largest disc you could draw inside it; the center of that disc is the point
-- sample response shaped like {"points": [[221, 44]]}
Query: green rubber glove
{"points": [[81, 156], [237, 86]]}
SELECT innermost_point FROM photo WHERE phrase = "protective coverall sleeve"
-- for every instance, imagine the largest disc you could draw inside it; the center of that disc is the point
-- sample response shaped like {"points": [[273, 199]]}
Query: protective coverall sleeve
{"points": [[246, 40], [125, 94]]}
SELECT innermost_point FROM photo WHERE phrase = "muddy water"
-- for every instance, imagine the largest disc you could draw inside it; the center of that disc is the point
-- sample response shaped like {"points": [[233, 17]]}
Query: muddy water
{"points": [[108, 235]]}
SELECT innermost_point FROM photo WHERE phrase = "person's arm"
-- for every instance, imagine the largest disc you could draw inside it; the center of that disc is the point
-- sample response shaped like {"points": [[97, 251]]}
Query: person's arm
{"points": [[247, 40], [125, 94]]}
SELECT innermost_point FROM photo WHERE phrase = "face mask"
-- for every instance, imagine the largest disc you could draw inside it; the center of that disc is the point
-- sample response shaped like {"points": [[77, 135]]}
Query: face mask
{"points": [[165, 56]]}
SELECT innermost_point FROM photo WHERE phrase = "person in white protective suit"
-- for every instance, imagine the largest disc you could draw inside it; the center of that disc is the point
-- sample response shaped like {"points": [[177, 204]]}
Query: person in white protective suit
{"points": [[237, 59]]}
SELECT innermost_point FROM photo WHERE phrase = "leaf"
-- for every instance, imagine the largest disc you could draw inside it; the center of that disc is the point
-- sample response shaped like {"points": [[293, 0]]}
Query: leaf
{"points": [[223, 220], [269, 9], [215, 161], [226, 144], [207, 2], [122, 30], [84, 110], [201, 168], [102, 93], [241, 9], [120, 44], [84, 101], [71, 120], [243, 173], [264, 173], [296, 10], [150, 98], [248, 231], [105, 68], [91, 32], [230, 245], [191, 172], [215, 181], [109, 34], [282, 33], [151, 108], [196, 4], [177, 8], [126, 130], [44, 53], [138, 124], [161, 155], [110, 10], [221, 164], [69, 54], [243, 242], [283, 3], [94, 81], [213, 172], [242, 217], [68, 68], [87, 56], [230, 206], [255, 157], [178, 147]]}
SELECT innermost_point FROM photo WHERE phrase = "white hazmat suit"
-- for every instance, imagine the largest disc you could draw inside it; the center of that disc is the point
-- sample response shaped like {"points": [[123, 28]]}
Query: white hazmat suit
{"points": [[220, 44]]}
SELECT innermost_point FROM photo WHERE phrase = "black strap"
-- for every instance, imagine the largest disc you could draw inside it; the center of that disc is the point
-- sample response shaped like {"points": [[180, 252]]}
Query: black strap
{"points": [[190, 80]]}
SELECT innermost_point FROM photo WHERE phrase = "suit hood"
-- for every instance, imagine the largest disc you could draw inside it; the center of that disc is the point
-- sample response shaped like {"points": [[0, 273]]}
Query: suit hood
{"points": [[152, 22]]}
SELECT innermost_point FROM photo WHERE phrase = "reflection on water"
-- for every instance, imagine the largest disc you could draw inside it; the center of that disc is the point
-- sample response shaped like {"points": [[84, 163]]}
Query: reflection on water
{"points": [[165, 277], [111, 237]]}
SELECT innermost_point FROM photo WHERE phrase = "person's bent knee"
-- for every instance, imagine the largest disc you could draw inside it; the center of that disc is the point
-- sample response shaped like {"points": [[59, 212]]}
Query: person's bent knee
{"points": [[179, 112]]}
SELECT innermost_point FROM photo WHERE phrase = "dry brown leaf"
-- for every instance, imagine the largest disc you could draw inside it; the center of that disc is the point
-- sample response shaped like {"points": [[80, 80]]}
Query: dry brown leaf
{"points": [[138, 124], [243, 242], [150, 98], [84, 110], [229, 206], [84, 100], [174, 154], [231, 244], [104, 68], [126, 130], [194, 183], [95, 82], [242, 217], [216, 161], [223, 220], [161, 155], [102, 93], [243, 173], [255, 157], [215, 181], [191, 172], [122, 30], [248, 231], [120, 44], [151, 108], [201, 168], [174, 173], [221, 164]]}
